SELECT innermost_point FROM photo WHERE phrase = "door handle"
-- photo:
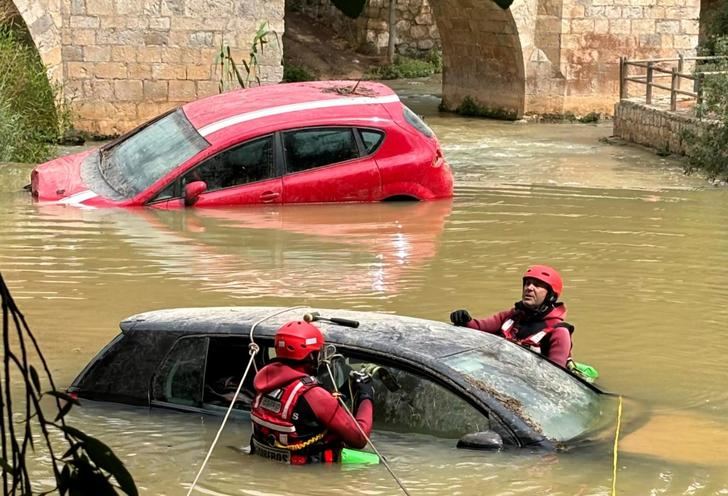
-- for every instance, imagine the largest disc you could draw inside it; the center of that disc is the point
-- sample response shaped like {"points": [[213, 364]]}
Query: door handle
{"points": [[269, 196]]}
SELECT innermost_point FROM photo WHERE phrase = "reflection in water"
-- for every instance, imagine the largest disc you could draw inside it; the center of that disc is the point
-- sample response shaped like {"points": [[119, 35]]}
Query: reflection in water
{"points": [[644, 252], [246, 252]]}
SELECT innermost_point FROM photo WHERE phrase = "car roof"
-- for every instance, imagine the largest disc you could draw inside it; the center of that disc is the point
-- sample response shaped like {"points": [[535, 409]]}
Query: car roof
{"points": [[413, 338], [213, 113]]}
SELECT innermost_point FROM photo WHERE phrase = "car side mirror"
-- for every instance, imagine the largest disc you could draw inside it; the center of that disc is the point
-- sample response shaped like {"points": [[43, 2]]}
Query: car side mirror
{"points": [[485, 440], [193, 191]]}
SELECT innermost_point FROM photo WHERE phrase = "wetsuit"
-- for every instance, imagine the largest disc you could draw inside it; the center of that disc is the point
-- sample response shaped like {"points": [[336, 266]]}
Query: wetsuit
{"points": [[297, 421], [519, 324]]}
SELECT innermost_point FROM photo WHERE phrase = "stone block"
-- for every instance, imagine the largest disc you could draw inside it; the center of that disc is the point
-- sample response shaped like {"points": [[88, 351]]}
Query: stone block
{"points": [[99, 7], [182, 91], [685, 41], [156, 38], [156, 91], [110, 70], [689, 27], [93, 53], [128, 7], [137, 23], [207, 88], [78, 7], [80, 70], [169, 71], [160, 23], [619, 26], [123, 54], [198, 72], [171, 54], [671, 27], [642, 26], [201, 39], [139, 71], [149, 54], [582, 25], [84, 22], [111, 22], [83, 37], [653, 12], [601, 26], [128, 90], [72, 53]]}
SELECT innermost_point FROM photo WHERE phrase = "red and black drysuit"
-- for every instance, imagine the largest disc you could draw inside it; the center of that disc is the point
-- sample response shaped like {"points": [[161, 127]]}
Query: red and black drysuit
{"points": [[297, 421], [544, 332]]}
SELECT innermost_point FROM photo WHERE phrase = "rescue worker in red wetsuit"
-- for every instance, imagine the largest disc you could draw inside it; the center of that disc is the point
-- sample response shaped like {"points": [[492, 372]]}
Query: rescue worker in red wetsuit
{"points": [[537, 321], [295, 420]]}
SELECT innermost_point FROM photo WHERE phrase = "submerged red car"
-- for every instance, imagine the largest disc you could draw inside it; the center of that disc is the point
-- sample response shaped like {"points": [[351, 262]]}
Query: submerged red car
{"points": [[323, 141]]}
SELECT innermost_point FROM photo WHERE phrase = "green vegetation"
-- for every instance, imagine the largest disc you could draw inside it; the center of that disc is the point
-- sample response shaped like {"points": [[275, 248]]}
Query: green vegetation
{"points": [[85, 465], [230, 75], [408, 67], [294, 74], [708, 150], [471, 107], [31, 119]]}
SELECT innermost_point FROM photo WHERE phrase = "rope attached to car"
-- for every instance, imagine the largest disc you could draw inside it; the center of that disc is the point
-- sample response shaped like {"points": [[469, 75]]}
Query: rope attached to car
{"points": [[616, 446], [253, 349], [337, 394]]}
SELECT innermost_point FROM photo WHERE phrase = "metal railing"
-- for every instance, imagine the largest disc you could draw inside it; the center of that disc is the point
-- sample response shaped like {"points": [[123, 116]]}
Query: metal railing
{"points": [[655, 72]]}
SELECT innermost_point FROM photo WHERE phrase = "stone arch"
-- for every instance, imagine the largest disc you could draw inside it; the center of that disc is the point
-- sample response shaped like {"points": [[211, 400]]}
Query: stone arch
{"points": [[43, 20], [483, 55]]}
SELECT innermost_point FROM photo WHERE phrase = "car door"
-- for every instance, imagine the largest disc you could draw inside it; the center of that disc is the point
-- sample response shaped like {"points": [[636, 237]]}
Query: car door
{"points": [[407, 400], [243, 174], [328, 164]]}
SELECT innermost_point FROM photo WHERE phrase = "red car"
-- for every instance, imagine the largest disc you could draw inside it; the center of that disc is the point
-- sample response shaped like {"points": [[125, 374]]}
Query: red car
{"points": [[325, 141]]}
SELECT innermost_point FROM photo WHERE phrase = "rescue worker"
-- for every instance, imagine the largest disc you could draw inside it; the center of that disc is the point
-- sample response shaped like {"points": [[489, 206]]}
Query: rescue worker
{"points": [[537, 321], [295, 420]]}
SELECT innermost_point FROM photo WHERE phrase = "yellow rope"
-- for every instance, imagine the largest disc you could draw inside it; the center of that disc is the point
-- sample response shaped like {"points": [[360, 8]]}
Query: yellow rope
{"points": [[302, 444], [616, 445]]}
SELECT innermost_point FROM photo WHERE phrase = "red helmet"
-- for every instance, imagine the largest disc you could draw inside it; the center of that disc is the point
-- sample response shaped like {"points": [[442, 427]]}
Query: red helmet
{"points": [[298, 339], [546, 274]]}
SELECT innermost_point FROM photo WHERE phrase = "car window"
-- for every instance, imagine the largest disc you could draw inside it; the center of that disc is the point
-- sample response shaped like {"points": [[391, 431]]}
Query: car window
{"points": [[135, 163], [551, 400], [407, 402], [179, 379], [371, 139], [226, 362], [247, 163], [417, 122], [309, 148]]}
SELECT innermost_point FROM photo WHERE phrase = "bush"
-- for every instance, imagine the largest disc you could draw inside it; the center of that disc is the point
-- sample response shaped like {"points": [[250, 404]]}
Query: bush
{"points": [[294, 74], [30, 123], [407, 67], [708, 151]]}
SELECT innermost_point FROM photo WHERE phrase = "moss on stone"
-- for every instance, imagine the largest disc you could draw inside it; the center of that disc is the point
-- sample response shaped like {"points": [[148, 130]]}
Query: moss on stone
{"points": [[470, 107]]}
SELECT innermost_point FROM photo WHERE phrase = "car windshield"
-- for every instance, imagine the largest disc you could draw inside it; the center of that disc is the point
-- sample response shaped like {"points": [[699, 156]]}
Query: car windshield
{"points": [[546, 397], [135, 163]]}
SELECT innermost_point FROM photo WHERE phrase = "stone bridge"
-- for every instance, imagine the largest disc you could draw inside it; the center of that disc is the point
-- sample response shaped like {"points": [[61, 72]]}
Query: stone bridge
{"points": [[121, 62]]}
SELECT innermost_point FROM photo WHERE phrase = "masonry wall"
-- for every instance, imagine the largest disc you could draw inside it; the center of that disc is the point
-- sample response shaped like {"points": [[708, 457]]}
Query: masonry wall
{"points": [[417, 31], [595, 33], [125, 61], [656, 128]]}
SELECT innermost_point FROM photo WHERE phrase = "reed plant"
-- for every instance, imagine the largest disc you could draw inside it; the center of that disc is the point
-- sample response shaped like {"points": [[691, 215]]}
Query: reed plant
{"points": [[81, 464]]}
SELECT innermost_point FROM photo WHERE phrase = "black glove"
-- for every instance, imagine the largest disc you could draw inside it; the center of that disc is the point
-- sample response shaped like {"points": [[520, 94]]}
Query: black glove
{"points": [[460, 317], [362, 385]]}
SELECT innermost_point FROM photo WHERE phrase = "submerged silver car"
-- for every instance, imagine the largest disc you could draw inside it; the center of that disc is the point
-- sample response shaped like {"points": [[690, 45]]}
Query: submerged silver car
{"points": [[431, 377]]}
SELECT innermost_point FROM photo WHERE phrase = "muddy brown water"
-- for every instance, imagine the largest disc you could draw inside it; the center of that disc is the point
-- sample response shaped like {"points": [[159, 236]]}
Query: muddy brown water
{"points": [[643, 250]]}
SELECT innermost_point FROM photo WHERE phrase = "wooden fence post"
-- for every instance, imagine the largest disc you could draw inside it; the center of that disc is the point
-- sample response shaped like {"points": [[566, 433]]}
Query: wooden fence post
{"points": [[648, 93], [675, 84], [680, 67], [699, 92], [622, 75]]}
